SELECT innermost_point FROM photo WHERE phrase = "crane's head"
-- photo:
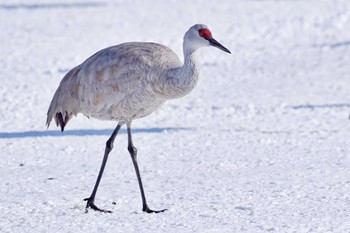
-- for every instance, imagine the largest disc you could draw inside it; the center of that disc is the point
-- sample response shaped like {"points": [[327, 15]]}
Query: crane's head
{"points": [[200, 36]]}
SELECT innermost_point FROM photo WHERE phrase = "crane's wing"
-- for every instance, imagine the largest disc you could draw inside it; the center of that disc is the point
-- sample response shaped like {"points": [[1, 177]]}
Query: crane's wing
{"points": [[97, 86], [61, 108]]}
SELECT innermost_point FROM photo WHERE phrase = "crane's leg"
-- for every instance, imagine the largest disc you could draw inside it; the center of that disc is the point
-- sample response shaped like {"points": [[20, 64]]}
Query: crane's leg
{"points": [[109, 146], [133, 153]]}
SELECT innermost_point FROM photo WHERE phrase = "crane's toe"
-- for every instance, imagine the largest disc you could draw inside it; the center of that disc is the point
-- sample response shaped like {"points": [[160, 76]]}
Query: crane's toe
{"points": [[148, 210], [90, 204]]}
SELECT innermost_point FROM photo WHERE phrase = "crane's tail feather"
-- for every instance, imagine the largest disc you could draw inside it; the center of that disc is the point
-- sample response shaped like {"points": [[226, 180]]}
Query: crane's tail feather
{"points": [[63, 105], [62, 120]]}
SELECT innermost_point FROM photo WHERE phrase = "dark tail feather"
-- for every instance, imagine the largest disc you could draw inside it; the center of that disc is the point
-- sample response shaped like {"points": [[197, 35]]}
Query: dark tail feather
{"points": [[62, 121]]}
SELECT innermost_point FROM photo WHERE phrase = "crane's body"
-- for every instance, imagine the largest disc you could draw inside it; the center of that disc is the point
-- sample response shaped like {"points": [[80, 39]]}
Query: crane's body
{"points": [[122, 82], [126, 82]]}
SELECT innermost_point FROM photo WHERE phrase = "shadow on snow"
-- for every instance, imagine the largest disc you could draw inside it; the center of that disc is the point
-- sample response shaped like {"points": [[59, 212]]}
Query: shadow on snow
{"points": [[333, 45], [84, 132], [315, 106], [40, 6]]}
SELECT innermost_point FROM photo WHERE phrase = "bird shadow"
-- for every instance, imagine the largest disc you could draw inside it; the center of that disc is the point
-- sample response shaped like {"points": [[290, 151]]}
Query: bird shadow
{"points": [[85, 132]]}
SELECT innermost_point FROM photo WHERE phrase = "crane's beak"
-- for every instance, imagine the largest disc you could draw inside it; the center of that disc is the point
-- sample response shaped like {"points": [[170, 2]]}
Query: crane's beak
{"points": [[216, 44]]}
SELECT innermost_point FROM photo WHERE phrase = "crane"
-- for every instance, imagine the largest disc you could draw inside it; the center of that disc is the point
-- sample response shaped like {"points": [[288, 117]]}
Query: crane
{"points": [[126, 82]]}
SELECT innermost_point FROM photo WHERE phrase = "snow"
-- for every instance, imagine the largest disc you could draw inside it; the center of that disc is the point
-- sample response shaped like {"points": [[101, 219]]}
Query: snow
{"points": [[260, 145]]}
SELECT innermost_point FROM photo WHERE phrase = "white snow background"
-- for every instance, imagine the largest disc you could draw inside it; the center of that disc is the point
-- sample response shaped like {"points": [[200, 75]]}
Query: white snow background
{"points": [[260, 145]]}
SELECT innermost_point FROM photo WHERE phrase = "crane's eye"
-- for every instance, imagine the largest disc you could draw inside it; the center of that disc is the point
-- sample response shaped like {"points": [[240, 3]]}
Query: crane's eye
{"points": [[205, 33]]}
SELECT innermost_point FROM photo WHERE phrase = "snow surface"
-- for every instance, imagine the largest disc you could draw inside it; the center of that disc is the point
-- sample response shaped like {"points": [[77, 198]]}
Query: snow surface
{"points": [[260, 145]]}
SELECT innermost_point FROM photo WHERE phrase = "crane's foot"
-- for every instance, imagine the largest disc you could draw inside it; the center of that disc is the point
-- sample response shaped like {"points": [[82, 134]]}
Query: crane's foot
{"points": [[90, 204], [148, 210]]}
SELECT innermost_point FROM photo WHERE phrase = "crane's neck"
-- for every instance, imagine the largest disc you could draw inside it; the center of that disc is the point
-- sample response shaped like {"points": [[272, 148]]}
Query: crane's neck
{"points": [[184, 78]]}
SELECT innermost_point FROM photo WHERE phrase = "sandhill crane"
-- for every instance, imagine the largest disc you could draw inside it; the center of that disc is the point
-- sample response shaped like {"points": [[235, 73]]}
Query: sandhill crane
{"points": [[126, 82]]}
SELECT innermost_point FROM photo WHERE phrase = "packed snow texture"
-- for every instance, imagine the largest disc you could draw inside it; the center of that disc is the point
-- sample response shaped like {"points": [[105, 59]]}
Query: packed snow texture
{"points": [[260, 145]]}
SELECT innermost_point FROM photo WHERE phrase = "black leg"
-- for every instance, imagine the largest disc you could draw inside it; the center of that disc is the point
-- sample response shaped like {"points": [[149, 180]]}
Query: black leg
{"points": [[133, 153], [109, 146]]}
